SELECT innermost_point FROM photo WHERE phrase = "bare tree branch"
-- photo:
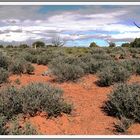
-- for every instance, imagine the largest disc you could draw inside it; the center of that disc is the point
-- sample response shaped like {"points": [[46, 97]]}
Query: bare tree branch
{"points": [[57, 41], [136, 25]]}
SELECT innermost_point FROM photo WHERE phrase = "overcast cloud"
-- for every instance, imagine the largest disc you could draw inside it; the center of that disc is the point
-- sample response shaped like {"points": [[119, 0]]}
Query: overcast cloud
{"points": [[75, 24]]}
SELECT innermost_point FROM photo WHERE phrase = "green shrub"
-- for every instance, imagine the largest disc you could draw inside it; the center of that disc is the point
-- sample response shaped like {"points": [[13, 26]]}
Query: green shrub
{"points": [[130, 65], [17, 67], [136, 66], [42, 97], [33, 98], [112, 44], [29, 68], [9, 102], [124, 101], [17, 129], [122, 125], [112, 74], [4, 75], [66, 72], [3, 120], [4, 60], [20, 66], [66, 68], [101, 57], [93, 65], [29, 57], [97, 51], [135, 43], [127, 45], [42, 59]]}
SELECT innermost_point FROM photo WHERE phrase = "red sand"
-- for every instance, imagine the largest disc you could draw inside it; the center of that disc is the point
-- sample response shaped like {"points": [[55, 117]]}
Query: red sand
{"points": [[87, 98]]}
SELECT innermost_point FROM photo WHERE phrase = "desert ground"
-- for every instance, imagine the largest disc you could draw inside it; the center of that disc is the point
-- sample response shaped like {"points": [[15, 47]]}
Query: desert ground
{"points": [[86, 90]]}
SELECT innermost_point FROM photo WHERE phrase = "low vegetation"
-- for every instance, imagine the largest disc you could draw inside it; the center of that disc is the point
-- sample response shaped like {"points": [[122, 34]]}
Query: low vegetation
{"points": [[113, 66], [113, 74], [33, 98], [28, 100], [124, 102], [18, 129]]}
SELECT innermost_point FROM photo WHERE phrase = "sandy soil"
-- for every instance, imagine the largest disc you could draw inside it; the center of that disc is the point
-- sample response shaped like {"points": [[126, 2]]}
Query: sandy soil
{"points": [[87, 98]]}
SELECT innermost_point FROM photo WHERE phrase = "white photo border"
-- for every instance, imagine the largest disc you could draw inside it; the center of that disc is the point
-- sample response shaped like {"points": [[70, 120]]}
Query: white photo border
{"points": [[69, 3]]}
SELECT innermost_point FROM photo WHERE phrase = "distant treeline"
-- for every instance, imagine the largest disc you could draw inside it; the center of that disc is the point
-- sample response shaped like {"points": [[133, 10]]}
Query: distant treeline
{"points": [[60, 43]]}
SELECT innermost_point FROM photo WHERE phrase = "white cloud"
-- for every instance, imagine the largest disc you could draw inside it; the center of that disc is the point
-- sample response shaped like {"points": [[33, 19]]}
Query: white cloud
{"points": [[71, 25]]}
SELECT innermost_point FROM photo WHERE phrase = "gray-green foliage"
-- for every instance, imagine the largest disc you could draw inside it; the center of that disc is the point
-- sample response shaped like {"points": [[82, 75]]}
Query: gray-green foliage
{"points": [[32, 98], [113, 74], [124, 101]]}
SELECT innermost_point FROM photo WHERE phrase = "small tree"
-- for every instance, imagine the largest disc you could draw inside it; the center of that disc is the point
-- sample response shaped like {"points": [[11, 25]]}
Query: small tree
{"points": [[38, 44], [9, 46], [112, 44], [93, 45], [135, 43], [23, 46], [57, 41], [126, 45], [1, 46]]}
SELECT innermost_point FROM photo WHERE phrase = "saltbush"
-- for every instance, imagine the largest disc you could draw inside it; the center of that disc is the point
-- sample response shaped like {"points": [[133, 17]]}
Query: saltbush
{"points": [[42, 97], [4, 60], [20, 66], [66, 69], [3, 120], [4, 75], [122, 125], [17, 129], [124, 101], [43, 59], [29, 57], [10, 103], [33, 98], [112, 74], [29, 68], [17, 66]]}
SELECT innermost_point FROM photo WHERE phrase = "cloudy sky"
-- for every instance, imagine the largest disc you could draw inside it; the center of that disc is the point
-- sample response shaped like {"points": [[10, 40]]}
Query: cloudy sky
{"points": [[77, 25]]}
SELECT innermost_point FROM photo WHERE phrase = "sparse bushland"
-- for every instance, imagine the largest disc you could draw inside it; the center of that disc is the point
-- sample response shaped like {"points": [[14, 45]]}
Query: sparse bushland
{"points": [[33, 98], [113, 74], [124, 101]]}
